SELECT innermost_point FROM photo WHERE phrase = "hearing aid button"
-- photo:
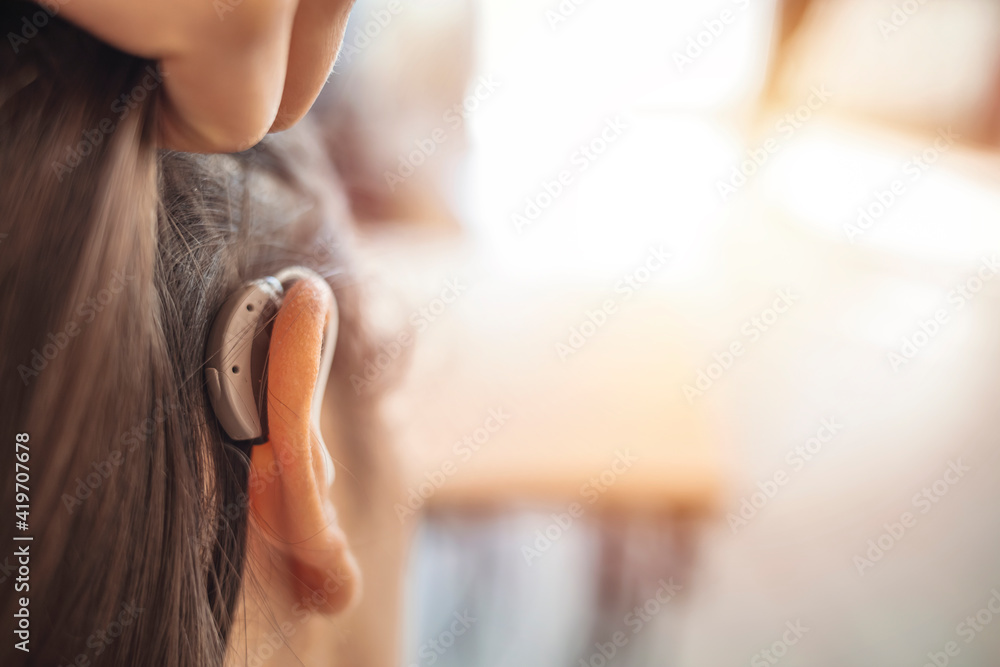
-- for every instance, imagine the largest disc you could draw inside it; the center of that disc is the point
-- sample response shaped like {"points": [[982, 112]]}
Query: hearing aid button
{"points": [[214, 386]]}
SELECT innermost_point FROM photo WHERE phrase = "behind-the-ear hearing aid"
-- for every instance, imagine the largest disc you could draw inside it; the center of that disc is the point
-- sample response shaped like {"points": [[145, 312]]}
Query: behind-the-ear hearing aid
{"points": [[237, 354]]}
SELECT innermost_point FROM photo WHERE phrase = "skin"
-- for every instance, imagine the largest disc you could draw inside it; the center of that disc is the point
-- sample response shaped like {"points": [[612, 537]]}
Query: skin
{"points": [[233, 70], [302, 603], [293, 511]]}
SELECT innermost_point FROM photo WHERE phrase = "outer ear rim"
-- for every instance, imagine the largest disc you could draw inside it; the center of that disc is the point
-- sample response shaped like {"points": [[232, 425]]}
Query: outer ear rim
{"points": [[294, 501], [288, 277]]}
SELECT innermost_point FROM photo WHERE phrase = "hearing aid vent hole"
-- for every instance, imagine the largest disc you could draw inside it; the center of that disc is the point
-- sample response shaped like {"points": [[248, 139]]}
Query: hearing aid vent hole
{"points": [[250, 307], [236, 369]]}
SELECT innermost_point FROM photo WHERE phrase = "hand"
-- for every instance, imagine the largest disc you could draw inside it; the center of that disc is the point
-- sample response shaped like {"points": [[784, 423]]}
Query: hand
{"points": [[233, 70]]}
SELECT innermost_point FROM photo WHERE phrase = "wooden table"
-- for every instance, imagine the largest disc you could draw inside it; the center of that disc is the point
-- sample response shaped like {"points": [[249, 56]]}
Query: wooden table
{"points": [[571, 416]]}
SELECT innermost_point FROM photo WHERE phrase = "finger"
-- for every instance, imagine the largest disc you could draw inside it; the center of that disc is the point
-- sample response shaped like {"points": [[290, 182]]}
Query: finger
{"points": [[316, 36], [223, 63], [223, 93]]}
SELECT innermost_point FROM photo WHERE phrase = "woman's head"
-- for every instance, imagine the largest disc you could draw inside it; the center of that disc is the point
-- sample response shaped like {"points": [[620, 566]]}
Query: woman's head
{"points": [[155, 538]]}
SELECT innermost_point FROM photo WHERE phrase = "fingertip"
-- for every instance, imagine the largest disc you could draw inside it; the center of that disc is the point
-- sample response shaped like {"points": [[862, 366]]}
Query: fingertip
{"points": [[177, 134]]}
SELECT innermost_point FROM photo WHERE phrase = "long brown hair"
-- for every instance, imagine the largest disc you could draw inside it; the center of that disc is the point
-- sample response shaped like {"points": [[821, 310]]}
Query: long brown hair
{"points": [[114, 258]]}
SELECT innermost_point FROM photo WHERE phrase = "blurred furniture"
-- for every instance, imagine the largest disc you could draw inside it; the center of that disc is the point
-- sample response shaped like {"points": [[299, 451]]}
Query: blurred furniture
{"points": [[495, 347]]}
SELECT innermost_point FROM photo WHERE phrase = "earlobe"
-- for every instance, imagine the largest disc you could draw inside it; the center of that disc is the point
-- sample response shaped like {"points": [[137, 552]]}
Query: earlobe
{"points": [[292, 472]]}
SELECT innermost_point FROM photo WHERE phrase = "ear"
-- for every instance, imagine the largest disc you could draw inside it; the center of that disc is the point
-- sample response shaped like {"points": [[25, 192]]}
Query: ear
{"points": [[291, 474]]}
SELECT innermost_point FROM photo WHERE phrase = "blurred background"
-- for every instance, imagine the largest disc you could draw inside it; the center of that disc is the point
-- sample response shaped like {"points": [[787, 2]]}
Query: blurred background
{"points": [[691, 313]]}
